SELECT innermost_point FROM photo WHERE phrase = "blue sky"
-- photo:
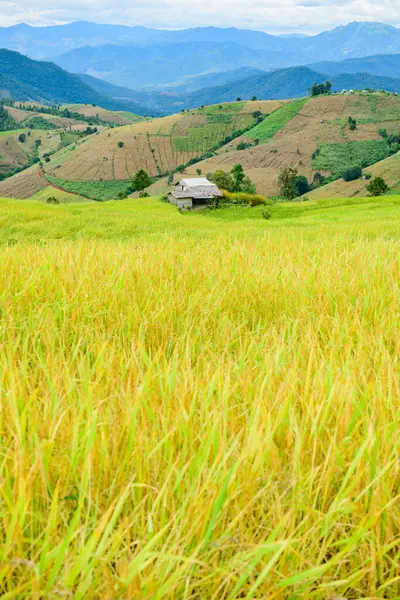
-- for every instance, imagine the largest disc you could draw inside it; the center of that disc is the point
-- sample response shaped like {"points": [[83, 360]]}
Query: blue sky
{"points": [[275, 16]]}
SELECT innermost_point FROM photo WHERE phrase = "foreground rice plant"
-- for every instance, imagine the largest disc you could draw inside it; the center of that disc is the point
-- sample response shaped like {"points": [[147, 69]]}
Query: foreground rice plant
{"points": [[206, 412]]}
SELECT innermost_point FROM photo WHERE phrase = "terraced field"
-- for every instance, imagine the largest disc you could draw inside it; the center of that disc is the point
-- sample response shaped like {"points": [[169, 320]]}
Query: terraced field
{"points": [[15, 154], [314, 123], [158, 146], [389, 169], [110, 116], [310, 135]]}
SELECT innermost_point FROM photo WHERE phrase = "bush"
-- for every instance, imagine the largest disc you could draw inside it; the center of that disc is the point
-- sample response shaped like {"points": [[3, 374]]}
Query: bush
{"points": [[244, 198], [267, 214], [301, 184], [121, 144], [243, 146], [377, 187], [52, 200], [352, 174]]}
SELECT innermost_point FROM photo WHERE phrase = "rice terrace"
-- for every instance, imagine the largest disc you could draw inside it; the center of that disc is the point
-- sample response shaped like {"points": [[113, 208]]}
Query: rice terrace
{"points": [[199, 332]]}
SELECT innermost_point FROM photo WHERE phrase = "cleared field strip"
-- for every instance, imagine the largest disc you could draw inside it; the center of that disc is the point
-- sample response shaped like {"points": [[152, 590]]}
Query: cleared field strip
{"points": [[157, 146]]}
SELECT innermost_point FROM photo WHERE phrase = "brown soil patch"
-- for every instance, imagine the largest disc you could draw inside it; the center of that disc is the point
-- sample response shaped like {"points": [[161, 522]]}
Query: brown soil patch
{"points": [[24, 184]]}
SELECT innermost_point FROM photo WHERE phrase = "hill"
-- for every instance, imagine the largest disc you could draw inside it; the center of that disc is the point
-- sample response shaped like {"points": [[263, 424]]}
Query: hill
{"points": [[353, 40], [160, 146], [387, 65], [192, 83], [313, 137], [24, 79], [288, 83], [310, 134], [137, 66], [389, 169]]}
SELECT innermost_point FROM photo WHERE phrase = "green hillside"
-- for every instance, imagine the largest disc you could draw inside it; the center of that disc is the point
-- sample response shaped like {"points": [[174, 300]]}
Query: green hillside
{"points": [[24, 79]]}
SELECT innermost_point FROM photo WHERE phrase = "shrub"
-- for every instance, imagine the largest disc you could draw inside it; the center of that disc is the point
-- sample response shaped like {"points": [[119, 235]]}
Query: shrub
{"points": [[352, 174], [383, 133], [368, 176], [121, 144], [301, 184], [141, 181], [244, 198], [52, 200], [267, 214], [377, 187]]}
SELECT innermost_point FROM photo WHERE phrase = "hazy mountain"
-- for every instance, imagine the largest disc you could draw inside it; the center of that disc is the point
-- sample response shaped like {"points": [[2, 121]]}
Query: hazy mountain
{"points": [[350, 41], [197, 82], [43, 42], [138, 66], [24, 79], [294, 82], [382, 64]]}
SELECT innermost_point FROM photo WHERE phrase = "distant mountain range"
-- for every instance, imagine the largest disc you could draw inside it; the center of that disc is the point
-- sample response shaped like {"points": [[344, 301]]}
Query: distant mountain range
{"points": [[24, 79], [293, 82], [140, 57]]}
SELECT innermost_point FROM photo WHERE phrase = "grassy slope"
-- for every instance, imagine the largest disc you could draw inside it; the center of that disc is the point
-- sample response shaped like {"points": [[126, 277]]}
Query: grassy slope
{"points": [[199, 406], [158, 146], [291, 135], [389, 169]]}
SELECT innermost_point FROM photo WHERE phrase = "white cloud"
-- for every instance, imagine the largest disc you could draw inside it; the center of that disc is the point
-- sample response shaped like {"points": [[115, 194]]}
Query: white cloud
{"points": [[275, 16]]}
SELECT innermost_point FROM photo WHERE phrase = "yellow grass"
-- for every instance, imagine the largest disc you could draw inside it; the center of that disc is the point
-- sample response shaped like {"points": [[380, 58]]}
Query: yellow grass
{"points": [[199, 406]]}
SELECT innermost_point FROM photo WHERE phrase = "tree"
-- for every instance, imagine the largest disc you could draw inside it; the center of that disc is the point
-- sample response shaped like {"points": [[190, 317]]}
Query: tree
{"points": [[141, 181], [238, 177], [377, 187], [254, 98], [352, 174], [248, 186], [238, 99], [22, 137], [301, 185], [222, 180], [121, 144], [352, 124], [198, 171], [321, 89], [287, 183]]}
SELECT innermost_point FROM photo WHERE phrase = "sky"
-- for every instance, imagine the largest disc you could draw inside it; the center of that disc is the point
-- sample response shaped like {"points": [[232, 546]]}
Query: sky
{"points": [[273, 16]]}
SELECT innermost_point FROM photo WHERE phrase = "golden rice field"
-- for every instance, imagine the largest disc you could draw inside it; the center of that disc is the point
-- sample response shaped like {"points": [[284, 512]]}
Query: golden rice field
{"points": [[200, 406]]}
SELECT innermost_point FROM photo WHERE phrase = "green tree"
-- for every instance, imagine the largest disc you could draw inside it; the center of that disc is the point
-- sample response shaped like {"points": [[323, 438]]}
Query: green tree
{"points": [[352, 174], [248, 186], [141, 181], [254, 98], [238, 177], [22, 137], [198, 171], [222, 180], [121, 144], [301, 184], [377, 187], [287, 183]]}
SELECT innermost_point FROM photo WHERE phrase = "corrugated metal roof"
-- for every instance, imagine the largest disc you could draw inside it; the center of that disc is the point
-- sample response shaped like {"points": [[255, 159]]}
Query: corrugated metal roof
{"points": [[196, 181]]}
